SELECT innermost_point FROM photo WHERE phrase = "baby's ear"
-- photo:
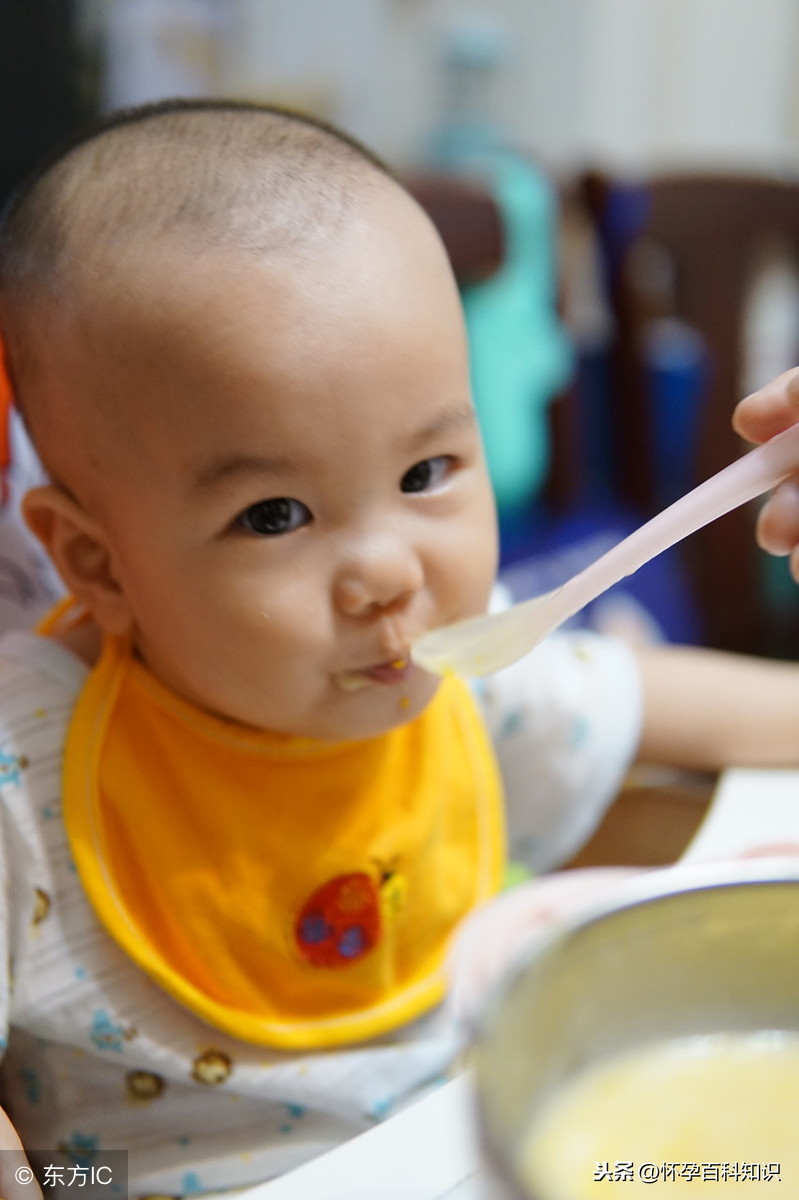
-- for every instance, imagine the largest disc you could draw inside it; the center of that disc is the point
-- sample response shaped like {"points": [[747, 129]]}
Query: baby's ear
{"points": [[79, 549]]}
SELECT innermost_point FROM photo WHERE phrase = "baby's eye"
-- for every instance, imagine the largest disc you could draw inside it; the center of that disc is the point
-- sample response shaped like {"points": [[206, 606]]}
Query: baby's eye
{"points": [[426, 475], [270, 518]]}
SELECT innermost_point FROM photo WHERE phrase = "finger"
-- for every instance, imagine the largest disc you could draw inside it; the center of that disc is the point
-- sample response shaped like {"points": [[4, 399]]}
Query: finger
{"points": [[770, 409], [778, 521], [772, 850], [794, 563]]}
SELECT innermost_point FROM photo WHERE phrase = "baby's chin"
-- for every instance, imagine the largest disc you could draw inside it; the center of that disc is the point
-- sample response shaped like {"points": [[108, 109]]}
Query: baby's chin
{"points": [[335, 713], [374, 709]]}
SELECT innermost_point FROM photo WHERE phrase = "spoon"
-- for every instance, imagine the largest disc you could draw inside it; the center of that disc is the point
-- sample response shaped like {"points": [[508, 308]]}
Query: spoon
{"points": [[481, 645]]}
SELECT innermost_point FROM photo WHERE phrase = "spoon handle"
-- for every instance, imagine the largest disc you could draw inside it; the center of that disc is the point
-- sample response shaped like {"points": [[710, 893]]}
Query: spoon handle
{"points": [[749, 476]]}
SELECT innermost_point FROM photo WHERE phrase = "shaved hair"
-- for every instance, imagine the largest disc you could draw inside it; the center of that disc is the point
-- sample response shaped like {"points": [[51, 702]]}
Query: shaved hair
{"points": [[205, 174]]}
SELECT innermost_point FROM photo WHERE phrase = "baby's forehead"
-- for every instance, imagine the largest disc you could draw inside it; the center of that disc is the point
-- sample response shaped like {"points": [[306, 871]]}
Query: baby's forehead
{"points": [[98, 263], [255, 181], [152, 274], [253, 350]]}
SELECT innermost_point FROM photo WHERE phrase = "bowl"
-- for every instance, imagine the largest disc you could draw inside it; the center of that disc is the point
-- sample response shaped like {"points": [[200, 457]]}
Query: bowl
{"points": [[679, 952]]}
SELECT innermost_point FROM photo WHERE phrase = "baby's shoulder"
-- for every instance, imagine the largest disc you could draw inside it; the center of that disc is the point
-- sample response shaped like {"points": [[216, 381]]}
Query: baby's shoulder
{"points": [[35, 668], [39, 683]]}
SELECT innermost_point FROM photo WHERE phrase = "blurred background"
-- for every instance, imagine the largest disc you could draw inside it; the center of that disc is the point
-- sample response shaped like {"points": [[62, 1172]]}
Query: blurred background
{"points": [[617, 183], [621, 83]]}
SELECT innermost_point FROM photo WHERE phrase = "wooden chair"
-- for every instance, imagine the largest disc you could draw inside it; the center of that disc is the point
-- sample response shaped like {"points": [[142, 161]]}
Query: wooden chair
{"points": [[467, 220], [713, 230]]}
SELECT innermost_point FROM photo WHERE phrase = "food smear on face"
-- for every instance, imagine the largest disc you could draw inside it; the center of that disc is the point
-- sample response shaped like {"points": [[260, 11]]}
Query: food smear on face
{"points": [[714, 1113]]}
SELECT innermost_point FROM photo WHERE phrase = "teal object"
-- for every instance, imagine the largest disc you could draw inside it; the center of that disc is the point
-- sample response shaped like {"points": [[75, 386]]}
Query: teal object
{"points": [[520, 353]]}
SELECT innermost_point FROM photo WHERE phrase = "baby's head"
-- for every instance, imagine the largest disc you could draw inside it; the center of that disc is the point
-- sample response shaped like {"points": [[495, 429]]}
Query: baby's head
{"points": [[239, 348]]}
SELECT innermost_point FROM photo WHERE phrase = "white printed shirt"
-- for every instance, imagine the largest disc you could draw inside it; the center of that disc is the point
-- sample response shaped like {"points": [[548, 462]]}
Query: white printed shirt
{"points": [[97, 1057]]}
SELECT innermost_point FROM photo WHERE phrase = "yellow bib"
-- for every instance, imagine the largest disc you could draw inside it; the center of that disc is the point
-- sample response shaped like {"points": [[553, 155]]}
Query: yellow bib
{"points": [[294, 893]]}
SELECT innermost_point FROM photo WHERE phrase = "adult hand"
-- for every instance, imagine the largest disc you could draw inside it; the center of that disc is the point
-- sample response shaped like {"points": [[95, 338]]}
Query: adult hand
{"points": [[757, 418]]}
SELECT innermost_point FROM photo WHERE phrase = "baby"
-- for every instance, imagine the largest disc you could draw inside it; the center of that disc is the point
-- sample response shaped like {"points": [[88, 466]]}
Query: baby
{"points": [[239, 826]]}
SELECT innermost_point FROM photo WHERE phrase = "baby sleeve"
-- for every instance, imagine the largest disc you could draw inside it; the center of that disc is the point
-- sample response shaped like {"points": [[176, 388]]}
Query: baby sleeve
{"points": [[565, 722], [38, 681], [5, 945], [9, 848]]}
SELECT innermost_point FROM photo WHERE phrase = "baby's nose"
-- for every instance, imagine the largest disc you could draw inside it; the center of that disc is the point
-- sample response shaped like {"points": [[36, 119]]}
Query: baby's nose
{"points": [[379, 577]]}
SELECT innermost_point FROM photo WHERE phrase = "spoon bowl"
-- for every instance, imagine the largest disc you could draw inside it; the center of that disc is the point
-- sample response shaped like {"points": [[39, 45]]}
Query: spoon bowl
{"points": [[481, 645]]}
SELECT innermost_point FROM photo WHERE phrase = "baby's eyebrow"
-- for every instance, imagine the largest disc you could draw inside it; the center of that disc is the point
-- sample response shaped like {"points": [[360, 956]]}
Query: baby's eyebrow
{"points": [[447, 420], [225, 467], [228, 466]]}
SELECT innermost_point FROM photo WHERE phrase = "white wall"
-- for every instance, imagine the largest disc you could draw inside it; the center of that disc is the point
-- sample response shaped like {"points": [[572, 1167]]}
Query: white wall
{"points": [[621, 83], [679, 81]]}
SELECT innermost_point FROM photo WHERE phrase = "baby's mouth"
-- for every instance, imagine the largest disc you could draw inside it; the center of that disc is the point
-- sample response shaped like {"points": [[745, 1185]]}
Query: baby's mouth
{"points": [[386, 674]]}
